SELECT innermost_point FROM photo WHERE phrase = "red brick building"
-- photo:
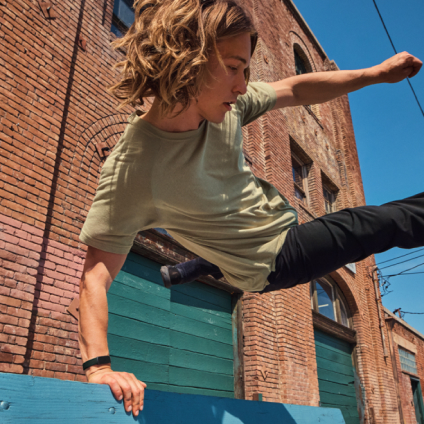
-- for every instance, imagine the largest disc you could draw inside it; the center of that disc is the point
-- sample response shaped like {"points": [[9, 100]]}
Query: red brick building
{"points": [[407, 355], [56, 125]]}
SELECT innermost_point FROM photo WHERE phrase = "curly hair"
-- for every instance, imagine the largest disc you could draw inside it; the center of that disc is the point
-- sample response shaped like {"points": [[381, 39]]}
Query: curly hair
{"points": [[167, 49]]}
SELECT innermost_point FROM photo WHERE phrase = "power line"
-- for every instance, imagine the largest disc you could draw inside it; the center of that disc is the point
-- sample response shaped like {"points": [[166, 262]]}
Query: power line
{"points": [[398, 263], [391, 42], [402, 272], [397, 275], [398, 257]]}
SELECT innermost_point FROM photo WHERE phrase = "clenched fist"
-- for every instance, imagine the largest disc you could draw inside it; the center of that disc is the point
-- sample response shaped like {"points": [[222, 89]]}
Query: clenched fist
{"points": [[397, 68]]}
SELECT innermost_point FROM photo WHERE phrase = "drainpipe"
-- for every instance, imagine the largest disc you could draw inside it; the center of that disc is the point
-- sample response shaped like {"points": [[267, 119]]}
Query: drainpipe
{"points": [[390, 322], [380, 317]]}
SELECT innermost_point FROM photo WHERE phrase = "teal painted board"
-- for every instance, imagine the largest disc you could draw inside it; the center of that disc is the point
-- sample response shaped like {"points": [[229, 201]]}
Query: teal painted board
{"points": [[138, 295], [336, 376], [193, 378], [200, 329], [124, 347], [332, 355], [133, 329], [36, 400], [189, 326], [197, 291], [197, 361], [145, 285], [331, 341], [144, 371], [128, 308], [185, 300], [190, 390], [201, 345]]}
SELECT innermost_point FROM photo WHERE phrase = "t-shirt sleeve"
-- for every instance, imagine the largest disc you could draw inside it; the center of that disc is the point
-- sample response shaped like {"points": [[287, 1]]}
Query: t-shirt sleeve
{"points": [[259, 99], [121, 206]]}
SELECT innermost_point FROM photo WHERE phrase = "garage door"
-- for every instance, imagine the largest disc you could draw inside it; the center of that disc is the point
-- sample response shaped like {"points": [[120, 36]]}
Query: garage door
{"points": [[177, 340], [335, 375]]}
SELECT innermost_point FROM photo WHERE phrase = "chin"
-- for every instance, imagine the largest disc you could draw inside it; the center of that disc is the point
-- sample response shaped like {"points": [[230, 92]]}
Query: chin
{"points": [[216, 119]]}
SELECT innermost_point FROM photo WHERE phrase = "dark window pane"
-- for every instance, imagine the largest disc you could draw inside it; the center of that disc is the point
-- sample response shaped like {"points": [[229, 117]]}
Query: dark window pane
{"points": [[325, 299], [299, 64], [297, 173], [123, 11], [329, 200], [343, 313], [299, 194], [116, 29]]}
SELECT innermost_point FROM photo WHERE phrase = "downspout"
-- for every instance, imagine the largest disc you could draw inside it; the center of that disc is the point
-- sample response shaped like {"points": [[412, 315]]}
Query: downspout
{"points": [[390, 321], [378, 300]]}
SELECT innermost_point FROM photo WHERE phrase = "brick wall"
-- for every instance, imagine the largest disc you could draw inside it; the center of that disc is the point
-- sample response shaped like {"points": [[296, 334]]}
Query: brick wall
{"points": [[54, 110], [402, 335]]}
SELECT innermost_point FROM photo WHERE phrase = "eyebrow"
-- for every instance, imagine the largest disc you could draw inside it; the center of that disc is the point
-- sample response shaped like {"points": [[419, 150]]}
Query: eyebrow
{"points": [[241, 59]]}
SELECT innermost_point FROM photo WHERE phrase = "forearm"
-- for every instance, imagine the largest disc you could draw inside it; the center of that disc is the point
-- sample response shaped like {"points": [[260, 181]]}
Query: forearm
{"points": [[93, 318], [100, 269], [320, 87]]}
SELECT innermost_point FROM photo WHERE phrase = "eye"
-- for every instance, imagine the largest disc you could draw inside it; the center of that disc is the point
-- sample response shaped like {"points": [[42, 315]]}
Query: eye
{"points": [[233, 68]]}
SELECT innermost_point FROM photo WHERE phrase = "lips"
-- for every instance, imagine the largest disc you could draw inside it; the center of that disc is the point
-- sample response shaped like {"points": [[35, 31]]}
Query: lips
{"points": [[228, 106]]}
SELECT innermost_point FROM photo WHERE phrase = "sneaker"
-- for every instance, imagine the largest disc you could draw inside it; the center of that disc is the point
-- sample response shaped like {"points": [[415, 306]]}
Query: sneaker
{"points": [[170, 276]]}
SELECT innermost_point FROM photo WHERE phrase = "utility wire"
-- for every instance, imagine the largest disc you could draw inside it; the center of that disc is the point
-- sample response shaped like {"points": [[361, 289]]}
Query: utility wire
{"points": [[398, 257], [396, 275], [402, 273], [402, 262], [391, 42]]}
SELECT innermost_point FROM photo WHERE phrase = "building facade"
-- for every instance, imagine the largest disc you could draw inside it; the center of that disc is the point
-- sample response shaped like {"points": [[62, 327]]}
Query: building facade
{"points": [[323, 343], [407, 355]]}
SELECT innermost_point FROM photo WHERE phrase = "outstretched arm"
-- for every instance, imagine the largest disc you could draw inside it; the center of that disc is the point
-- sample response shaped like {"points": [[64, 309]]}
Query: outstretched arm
{"points": [[100, 269], [320, 87]]}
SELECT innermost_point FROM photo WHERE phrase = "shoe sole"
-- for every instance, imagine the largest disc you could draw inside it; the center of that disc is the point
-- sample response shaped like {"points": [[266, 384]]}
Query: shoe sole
{"points": [[164, 272]]}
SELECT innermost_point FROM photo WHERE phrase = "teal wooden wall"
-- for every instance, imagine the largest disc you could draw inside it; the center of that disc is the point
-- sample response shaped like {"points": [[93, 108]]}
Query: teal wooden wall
{"points": [[336, 376], [35, 400], [177, 340]]}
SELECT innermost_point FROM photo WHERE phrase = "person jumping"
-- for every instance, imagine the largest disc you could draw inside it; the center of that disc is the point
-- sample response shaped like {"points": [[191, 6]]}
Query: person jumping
{"points": [[180, 166]]}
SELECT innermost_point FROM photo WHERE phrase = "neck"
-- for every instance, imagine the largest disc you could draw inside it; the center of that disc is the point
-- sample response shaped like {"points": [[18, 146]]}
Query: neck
{"points": [[189, 120]]}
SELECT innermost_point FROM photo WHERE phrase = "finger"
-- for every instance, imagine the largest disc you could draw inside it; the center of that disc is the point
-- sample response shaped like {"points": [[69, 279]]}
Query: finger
{"points": [[135, 393], [126, 390], [114, 387], [142, 386], [138, 394], [417, 66]]}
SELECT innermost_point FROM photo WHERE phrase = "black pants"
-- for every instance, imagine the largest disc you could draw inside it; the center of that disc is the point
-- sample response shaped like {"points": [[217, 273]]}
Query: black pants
{"points": [[325, 244]]}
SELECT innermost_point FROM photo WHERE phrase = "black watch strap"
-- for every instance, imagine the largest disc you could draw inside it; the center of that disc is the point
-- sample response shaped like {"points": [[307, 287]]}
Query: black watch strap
{"points": [[100, 360]]}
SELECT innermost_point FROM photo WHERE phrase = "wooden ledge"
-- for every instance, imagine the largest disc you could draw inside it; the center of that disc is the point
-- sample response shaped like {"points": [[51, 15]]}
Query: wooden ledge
{"points": [[37, 400]]}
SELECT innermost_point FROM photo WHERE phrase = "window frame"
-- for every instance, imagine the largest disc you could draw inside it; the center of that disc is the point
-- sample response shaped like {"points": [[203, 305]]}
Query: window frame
{"points": [[333, 199], [338, 298], [304, 189], [407, 357], [119, 28]]}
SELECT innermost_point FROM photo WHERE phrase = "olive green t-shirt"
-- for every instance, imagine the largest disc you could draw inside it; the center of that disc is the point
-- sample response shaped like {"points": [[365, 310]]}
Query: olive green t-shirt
{"points": [[197, 186]]}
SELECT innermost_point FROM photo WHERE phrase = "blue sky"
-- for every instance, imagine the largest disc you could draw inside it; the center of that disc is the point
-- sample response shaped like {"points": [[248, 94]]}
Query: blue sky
{"points": [[388, 124]]}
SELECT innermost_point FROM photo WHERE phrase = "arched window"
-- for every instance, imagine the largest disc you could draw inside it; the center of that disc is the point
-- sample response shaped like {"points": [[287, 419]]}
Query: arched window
{"points": [[301, 61], [328, 300], [303, 66]]}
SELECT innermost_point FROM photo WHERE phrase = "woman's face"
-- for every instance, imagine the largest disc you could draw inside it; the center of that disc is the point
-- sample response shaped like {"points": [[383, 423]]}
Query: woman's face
{"points": [[224, 84]]}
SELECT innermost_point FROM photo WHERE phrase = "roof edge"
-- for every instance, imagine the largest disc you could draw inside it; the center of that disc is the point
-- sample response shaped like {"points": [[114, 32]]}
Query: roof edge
{"points": [[402, 322], [305, 27]]}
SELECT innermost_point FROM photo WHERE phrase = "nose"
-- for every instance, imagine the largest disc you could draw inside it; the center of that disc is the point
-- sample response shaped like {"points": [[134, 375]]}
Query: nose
{"points": [[240, 86]]}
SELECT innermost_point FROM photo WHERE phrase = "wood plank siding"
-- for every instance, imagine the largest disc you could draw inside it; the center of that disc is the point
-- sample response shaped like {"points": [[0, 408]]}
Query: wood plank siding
{"points": [[177, 340], [336, 376]]}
